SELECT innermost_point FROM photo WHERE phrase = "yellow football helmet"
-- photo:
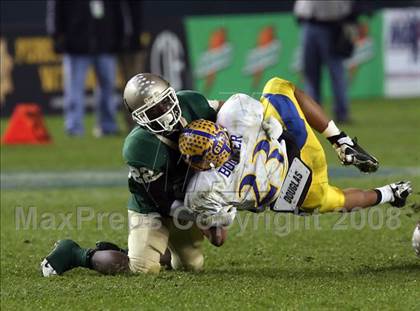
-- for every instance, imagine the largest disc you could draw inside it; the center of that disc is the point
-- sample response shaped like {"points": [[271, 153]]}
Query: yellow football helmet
{"points": [[204, 145]]}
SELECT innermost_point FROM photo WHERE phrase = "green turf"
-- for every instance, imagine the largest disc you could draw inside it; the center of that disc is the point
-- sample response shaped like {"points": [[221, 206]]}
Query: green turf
{"points": [[361, 260]]}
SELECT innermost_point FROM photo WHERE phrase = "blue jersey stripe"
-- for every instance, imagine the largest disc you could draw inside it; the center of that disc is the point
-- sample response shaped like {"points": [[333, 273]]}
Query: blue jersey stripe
{"points": [[290, 116]]}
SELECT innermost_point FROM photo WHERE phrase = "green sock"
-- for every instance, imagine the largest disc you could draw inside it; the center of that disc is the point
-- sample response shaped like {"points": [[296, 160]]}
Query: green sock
{"points": [[81, 257]]}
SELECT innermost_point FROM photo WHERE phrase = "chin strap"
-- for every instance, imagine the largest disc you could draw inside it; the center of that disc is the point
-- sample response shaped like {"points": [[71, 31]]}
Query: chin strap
{"points": [[171, 144], [183, 122], [167, 141]]}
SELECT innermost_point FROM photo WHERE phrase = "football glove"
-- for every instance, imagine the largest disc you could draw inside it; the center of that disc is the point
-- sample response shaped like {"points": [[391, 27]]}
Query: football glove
{"points": [[350, 153], [222, 218]]}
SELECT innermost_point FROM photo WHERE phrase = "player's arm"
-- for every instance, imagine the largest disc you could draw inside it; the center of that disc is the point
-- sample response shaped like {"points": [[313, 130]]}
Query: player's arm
{"points": [[349, 152], [313, 112]]}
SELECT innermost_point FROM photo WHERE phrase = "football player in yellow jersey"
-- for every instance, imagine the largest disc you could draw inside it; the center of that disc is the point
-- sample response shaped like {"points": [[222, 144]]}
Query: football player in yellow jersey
{"points": [[212, 193]]}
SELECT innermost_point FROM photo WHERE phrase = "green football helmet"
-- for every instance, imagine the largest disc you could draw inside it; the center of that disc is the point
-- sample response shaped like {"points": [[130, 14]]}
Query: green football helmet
{"points": [[152, 102]]}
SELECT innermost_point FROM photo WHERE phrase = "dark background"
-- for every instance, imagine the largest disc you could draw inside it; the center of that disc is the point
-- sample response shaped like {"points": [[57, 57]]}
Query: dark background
{"points": [[27, 18], [19, 13]]}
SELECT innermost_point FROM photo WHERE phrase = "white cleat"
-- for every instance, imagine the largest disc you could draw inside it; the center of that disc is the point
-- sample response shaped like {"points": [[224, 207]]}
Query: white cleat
{"points": [[46, 269], [400, 190]]}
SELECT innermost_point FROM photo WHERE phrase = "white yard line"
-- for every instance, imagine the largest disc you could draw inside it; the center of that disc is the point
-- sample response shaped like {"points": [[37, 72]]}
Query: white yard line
{"points": [[118, 178]]}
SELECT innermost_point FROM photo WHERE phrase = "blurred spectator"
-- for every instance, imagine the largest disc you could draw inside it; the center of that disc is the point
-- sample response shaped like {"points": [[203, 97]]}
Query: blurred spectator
{"points": [[87, 33], [6, 61], [131, 57], [326, 40]]}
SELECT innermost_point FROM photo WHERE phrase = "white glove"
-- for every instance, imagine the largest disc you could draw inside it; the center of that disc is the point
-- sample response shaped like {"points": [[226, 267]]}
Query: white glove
{"points": [[207, 217], [341, 147], [350, 153], [222, 218], [272, 128], [180, 212]]}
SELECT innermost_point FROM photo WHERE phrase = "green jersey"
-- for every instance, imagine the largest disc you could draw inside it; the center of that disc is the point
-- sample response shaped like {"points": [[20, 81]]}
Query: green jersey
{"points": [[157, 174]]}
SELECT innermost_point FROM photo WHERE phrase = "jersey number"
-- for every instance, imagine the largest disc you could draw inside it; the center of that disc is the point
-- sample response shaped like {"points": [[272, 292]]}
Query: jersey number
{"points": [[251, 179], [143, 175]]}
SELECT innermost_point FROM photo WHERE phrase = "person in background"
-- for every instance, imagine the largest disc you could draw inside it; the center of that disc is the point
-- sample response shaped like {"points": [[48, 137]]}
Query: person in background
{"points": [[326, 40], [131, 56], [87, 33]]}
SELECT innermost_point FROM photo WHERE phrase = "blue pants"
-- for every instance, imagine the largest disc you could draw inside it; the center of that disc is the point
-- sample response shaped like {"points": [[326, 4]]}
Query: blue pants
{"points": [[75, 70], [317, 42]]}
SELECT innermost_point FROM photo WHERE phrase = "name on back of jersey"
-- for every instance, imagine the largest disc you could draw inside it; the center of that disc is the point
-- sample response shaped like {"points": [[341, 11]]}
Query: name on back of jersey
{"points": [[229, 166]]}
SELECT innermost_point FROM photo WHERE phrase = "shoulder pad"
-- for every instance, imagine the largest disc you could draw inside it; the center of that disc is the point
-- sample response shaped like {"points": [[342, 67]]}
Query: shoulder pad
{"points": [[143, 149]]}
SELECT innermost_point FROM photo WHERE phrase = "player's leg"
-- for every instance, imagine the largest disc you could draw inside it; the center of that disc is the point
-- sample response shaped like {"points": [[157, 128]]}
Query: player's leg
{"points": [[396, 194], [336, 199], [147, 241], [67, 255], [185, 244]]}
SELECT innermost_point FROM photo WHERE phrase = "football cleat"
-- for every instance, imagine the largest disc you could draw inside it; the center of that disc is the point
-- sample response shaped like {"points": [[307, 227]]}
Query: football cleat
{"points": [[60, 259], [400, 190], [350, 153], [46, 269]]}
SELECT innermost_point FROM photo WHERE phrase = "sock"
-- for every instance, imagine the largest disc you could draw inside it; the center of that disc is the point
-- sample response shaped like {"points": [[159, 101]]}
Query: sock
{"points": [[82, 257], [385, 195]]}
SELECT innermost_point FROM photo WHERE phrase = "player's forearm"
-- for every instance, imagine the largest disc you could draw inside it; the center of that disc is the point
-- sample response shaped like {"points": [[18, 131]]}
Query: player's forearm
{"points": [[348, 151], [313, 112]]}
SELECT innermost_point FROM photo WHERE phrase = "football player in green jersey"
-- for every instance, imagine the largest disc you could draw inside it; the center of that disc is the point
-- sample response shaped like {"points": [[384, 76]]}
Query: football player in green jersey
{"points": [[157, 178]]}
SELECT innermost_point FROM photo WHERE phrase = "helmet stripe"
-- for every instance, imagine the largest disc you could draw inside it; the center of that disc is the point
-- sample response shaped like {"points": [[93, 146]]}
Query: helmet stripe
{"points": [[199, 133]]}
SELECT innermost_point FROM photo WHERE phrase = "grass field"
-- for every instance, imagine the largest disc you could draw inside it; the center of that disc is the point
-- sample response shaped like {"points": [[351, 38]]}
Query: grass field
{"points": [[361, 260]]}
